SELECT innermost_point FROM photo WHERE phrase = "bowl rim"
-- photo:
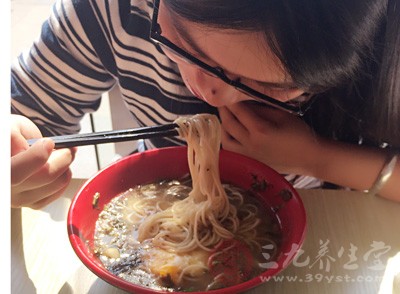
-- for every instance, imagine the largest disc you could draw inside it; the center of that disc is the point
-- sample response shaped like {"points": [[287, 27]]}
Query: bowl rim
{"points": [[80, 248]]}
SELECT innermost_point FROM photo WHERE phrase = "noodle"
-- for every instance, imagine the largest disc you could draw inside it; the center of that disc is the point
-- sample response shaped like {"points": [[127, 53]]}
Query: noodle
{"points": [[174, 227], [205, 217]]}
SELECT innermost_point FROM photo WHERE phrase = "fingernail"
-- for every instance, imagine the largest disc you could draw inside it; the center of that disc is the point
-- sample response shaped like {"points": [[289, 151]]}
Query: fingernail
{"points": [[47, 144]]}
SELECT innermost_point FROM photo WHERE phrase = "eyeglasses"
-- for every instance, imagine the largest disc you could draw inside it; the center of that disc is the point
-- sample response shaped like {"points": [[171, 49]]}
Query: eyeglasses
{"points": [[298, 105]]}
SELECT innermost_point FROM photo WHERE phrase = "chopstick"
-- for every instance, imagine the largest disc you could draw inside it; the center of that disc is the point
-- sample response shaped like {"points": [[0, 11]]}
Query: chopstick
{"points": [[65, 141]]}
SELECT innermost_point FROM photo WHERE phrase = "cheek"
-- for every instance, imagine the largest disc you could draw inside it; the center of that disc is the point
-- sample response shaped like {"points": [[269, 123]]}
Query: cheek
{"points": [[285, 96], [208, 88], [188, 77]]}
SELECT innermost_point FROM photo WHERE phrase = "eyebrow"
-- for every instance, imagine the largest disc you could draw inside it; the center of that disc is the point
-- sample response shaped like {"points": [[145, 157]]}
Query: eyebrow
{"points": [[193, 45]]}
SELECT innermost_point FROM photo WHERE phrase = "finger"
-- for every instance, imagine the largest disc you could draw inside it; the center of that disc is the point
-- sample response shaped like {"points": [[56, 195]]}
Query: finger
{"points": [[273, 115], [44, 202], [243, 113], [248, 119], [18, 142], [39, 197], [231, 125], [73, 151], [58, 162], [26, 163], [229, 143], [21, 129], [261, 119]]}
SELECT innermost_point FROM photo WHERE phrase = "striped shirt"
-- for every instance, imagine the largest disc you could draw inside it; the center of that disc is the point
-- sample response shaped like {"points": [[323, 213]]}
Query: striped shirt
{"points": [[87, 47]]}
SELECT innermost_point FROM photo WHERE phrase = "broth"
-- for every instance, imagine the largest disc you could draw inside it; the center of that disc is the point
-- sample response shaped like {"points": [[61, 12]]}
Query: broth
{"points": [[152, 264]]}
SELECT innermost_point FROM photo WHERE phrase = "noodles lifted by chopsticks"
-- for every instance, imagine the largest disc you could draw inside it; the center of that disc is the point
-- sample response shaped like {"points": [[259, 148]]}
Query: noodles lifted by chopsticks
{"points": [[205, 217]]}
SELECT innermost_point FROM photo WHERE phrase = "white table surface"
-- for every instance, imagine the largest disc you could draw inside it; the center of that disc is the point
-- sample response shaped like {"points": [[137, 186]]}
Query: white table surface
{"points": [[352, 245]]}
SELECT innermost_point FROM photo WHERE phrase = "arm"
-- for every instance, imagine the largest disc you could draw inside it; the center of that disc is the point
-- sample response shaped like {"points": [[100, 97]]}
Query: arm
{"points": [[61, 77], [356, 167], [288, 145], [55, 83]]}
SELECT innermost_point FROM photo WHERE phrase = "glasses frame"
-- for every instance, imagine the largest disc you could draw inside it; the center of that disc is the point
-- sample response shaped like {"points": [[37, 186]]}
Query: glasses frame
{"points": [[157, 38]]}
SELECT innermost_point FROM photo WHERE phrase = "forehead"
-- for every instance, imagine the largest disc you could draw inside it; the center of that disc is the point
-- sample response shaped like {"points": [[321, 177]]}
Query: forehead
{"points": [[243, 53]]}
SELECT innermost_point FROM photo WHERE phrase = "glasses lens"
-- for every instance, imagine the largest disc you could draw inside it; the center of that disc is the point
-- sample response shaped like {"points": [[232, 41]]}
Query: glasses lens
{"points": [[169, 51], [173, 54]]}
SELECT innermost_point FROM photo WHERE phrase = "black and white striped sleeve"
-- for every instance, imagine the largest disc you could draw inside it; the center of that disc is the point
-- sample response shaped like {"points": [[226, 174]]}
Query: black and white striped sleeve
{"points": [[61, 77]]}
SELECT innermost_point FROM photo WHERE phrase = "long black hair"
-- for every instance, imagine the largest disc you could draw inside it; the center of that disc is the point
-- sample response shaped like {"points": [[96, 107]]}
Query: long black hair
{"points": [[346, 52]]}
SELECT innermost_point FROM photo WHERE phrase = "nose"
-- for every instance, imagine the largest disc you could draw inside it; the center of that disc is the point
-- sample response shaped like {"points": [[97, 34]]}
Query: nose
{"points": [[214, 91]]}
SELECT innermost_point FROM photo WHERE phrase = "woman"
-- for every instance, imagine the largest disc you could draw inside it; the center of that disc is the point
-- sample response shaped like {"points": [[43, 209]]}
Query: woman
{"points": [[326, 72]]}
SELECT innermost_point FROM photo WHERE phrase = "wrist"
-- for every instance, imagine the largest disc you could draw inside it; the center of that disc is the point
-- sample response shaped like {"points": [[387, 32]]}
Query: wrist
{"points": [[321, 159], [348, 165], [384, 175]]}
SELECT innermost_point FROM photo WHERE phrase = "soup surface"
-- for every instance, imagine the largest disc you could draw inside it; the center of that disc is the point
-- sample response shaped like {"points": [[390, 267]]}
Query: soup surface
{"points": [[152, 263]]}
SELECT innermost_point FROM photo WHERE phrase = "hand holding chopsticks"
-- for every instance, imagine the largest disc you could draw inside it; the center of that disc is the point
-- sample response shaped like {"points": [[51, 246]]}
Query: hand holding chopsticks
{"points": [[168, 130]]}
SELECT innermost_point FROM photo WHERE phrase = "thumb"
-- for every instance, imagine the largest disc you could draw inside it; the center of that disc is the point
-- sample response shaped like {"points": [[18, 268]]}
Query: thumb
{"points": [[26, 163]]}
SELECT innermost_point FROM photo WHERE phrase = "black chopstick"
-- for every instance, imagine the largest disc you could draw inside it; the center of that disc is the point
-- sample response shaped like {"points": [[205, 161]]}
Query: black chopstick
{"points": [[65, 141]]}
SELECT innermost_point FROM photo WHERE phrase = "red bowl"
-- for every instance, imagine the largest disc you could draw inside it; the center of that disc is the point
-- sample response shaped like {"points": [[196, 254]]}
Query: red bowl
{"points": [[169, 163]]}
